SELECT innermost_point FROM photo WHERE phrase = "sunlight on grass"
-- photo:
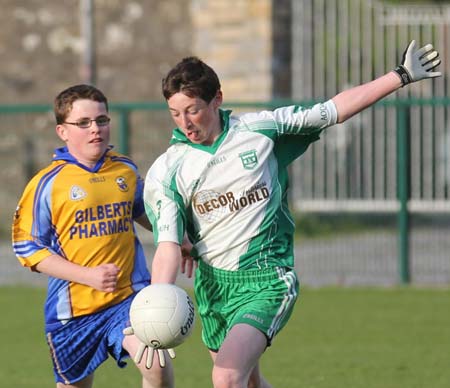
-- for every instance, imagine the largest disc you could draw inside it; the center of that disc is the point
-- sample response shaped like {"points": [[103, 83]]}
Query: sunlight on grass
{"points": [[337, 337]]}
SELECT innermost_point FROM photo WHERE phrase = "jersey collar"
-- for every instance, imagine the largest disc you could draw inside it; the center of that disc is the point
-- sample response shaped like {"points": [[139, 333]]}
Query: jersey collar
{"points": [[178, 135], [63, 153]]}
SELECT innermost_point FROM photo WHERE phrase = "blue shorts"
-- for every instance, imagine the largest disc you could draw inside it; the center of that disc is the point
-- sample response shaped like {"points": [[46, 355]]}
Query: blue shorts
{"points": [[82, 344]]}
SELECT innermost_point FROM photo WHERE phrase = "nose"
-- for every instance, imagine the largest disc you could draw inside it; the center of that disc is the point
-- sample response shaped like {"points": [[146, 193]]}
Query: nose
{"points": [[94, 126], [185, 122]]}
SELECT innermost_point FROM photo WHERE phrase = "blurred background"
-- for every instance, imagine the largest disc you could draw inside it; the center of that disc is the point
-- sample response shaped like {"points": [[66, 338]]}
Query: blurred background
{"points": [[371, 198]]}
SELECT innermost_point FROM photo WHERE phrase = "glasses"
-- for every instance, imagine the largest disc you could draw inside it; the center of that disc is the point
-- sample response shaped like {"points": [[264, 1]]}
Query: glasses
{"points": [[101, 121]]}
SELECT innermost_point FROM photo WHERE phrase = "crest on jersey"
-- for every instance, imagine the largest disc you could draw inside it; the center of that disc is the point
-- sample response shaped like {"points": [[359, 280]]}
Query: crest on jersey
{"points": [[16, 214], [77, 193], [249, 159], [122, 183]]}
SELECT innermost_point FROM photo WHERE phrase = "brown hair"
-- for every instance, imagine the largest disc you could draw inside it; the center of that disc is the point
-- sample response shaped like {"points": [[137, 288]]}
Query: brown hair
{"points": [[193, 78], [64, 101]]}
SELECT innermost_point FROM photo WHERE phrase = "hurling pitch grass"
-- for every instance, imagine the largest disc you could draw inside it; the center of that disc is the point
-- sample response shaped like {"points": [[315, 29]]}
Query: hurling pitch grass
{"points": [[336, 338]]}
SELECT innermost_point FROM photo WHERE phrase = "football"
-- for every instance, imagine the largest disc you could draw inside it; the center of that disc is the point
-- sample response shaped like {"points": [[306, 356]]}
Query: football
{"points": [[162, 315]]}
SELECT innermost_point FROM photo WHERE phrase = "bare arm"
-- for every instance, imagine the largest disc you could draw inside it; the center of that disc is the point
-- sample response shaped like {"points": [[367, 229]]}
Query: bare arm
{"points": [[102, 277], [354, 100], [166, 261], [417, 64], [188, 264]]}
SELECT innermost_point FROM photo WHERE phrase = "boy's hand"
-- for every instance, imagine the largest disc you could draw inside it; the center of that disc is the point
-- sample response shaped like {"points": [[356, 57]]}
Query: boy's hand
{"points": [[150, 352], [417, 64]]}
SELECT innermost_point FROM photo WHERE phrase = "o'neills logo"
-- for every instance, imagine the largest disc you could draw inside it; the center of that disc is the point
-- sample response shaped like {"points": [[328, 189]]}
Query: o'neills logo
{"points": [[186, 328], [210, 205], [323, 112]]}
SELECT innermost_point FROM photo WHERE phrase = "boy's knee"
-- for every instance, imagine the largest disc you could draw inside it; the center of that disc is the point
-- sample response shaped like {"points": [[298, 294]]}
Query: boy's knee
{"points": [[226, 378], [157, 376]]}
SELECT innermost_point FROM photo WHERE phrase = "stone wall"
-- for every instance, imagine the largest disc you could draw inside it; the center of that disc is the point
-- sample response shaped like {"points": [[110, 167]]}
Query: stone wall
{"points": [[41, 46], [136, 42], [236, 40]]}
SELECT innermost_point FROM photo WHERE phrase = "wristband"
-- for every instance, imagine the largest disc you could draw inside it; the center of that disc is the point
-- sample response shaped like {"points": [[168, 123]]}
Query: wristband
{"points": [[404, 75]]}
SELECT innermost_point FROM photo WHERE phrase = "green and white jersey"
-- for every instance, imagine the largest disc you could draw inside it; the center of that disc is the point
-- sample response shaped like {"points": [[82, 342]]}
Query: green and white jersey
{"points": [[231, 197]]}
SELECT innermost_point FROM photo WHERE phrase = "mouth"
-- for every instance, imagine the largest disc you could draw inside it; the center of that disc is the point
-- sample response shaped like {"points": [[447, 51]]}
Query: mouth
{"points": [[96, 140], [192, 134]]}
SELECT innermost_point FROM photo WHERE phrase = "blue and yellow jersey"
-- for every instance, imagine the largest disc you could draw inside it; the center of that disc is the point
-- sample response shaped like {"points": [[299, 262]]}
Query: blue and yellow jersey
{"points": [[86, 216]]}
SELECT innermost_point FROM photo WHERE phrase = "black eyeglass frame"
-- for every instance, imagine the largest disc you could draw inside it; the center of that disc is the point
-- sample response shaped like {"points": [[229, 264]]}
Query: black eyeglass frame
{"points": [[87, 123]]}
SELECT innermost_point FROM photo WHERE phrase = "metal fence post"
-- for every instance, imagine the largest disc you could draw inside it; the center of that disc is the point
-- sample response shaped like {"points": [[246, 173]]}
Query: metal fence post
{"points": [[124, 132], [403, 191]]}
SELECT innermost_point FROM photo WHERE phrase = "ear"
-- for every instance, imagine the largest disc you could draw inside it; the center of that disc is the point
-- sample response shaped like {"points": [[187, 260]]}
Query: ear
{"points": [[218, 99], [61, 132]]}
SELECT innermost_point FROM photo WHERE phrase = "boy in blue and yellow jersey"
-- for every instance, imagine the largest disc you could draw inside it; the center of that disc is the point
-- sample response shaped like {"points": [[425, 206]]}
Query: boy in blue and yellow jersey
{"points": [[74, 223]]}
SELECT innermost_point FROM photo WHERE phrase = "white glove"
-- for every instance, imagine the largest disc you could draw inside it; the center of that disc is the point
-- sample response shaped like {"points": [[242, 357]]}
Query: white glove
{"points": [[150, 352], [417, 64]]}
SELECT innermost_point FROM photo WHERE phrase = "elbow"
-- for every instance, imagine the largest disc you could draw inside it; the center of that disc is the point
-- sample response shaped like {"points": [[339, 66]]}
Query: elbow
{"points": [[341, 118]]}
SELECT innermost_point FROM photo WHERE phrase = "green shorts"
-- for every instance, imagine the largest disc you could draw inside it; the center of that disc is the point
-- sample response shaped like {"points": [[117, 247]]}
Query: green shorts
{"points": [[263, 299]]}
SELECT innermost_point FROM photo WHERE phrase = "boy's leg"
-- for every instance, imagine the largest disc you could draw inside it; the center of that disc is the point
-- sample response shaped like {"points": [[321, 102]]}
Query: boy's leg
{"points": [[85, 383], [257, 380], [155, 377], [236, 362]]}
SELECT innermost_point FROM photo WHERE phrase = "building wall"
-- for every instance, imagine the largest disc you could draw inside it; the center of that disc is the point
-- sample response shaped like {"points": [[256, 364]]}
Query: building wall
{"points": [[237, 42], [41, 46]]}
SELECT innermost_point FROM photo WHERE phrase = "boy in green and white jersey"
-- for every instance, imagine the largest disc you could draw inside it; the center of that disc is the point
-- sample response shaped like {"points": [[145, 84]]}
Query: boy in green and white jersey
{"points": [[237, 224], [224, 181]]}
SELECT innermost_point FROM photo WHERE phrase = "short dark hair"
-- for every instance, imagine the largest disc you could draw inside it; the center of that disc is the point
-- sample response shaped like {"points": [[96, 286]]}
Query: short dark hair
{"points": [[64, 101], [192, 77]]}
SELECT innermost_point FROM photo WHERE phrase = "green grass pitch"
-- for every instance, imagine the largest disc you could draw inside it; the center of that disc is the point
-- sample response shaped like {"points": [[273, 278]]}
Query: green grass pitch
{"points": [[337, 337]]}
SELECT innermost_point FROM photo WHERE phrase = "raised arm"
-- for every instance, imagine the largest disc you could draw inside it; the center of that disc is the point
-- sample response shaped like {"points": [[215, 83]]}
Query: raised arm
{"points": [[354, 100], [417, 64]]}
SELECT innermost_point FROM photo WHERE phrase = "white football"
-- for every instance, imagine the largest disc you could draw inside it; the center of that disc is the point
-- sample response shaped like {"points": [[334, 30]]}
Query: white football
{"points": [[162, 315]]}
